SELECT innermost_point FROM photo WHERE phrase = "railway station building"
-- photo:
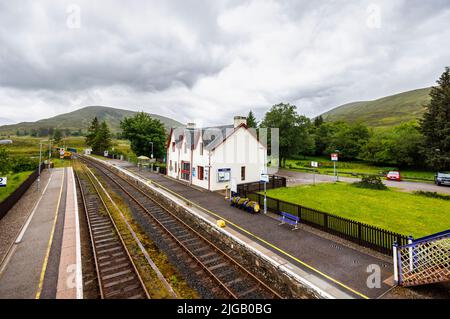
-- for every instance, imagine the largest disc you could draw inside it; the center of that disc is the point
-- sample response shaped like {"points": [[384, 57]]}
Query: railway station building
{"points": [[215, 158]]}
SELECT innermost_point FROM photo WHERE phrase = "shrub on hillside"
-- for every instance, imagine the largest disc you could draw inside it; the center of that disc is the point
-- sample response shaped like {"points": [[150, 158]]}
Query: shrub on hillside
{"points": [[371, 182]]}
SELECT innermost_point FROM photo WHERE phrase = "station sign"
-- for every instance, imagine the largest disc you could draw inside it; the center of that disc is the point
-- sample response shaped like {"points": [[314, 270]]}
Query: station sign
{"points": [[3, 181], [315, 164], [334, 157]]}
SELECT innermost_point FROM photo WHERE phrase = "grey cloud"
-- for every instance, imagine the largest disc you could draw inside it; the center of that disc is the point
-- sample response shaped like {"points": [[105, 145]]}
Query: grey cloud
{"points": [[209, 60]]}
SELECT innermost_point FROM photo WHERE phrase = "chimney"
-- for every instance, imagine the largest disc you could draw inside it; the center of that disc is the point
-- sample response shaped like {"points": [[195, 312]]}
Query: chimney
{"points": [[190, 126], [238, 120]]}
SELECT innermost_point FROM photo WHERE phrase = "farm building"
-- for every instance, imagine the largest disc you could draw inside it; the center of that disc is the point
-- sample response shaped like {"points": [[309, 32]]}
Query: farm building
{"points": [[215, 157]]}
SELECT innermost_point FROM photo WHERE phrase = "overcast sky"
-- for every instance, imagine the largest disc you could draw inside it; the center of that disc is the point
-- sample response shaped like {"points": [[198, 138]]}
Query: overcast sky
{"points": [[206, 61]]}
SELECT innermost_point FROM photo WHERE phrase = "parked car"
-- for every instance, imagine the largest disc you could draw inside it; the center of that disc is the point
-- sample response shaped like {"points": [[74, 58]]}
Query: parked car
{"points": [[442, 178], [394, 176]]}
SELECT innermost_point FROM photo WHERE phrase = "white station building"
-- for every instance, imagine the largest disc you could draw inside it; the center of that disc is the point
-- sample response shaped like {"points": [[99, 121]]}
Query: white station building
{"points": [[214, 158]]}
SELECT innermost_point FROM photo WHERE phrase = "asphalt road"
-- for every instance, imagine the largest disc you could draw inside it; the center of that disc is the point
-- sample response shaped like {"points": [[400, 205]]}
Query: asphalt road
{"points": [[299, 178]]}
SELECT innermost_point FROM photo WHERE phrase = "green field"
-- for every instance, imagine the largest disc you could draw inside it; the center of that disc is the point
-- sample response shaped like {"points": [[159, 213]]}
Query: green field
{"points": [[29, 146], [350, 169], [384, 112], [393, 210], [14, 181]]}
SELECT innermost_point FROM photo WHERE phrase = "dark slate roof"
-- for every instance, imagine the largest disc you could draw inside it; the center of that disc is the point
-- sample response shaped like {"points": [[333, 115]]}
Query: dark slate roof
{"points": [[223, 131]]}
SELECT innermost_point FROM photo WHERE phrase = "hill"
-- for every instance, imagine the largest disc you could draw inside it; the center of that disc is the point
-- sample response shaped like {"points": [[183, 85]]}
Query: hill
{"points": [[385, 112], [80, 119]]}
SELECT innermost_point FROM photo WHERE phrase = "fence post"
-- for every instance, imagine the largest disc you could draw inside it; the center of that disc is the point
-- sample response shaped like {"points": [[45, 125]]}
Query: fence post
{"points": [[410, 252], [278, 205], [359, 233], [395, 260], [325, 221], [299, 212]]}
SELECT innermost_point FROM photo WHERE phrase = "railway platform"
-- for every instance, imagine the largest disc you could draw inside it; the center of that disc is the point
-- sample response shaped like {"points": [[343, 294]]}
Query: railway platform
{"points": [[44, 262], [337, 269]]}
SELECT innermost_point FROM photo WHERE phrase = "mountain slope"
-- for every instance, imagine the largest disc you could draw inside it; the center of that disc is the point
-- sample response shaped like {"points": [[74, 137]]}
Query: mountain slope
{"points": [[80, 119], [384, 112]]}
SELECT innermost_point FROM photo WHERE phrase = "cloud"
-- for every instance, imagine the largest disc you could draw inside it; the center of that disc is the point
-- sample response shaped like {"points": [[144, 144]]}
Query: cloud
{"points": [[207, 61]]}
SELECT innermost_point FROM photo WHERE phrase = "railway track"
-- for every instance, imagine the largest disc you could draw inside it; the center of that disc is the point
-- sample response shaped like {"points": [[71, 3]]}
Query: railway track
{"points": [[229, 275], [117, 275]]}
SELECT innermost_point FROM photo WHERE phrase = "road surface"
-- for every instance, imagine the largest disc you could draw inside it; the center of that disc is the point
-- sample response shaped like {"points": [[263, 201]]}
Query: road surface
{"points": [[299, 178]]}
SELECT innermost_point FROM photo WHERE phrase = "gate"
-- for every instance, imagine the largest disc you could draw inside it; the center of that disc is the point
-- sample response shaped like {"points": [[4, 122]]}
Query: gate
{"points": [[423, 261]]}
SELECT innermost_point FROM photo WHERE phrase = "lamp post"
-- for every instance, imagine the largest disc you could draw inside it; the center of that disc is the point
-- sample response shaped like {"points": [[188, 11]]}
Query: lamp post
{"points": [[335, 167], [40, 162], [151, 156]]}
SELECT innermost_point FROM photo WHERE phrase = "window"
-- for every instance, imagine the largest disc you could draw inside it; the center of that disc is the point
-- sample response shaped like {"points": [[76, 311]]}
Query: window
{"points": [[243, 173], [200, 173], [201, 148], [173, 146]]}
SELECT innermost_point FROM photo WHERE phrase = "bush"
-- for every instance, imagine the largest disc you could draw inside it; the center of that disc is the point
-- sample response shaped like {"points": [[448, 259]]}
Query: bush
{"points": [[371, 182], [432, 195], [23, 164]]}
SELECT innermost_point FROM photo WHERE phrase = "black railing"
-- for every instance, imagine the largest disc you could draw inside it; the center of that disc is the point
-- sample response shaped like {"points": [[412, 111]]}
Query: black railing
{"points": [[12, 199], [365, 235], [274, 182]]}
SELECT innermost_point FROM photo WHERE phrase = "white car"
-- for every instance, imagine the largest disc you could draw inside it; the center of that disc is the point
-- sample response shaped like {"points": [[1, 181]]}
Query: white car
{"points": [[442, 178]]}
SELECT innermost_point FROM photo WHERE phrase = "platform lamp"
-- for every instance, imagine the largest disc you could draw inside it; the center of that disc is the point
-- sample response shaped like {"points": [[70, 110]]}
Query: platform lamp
{"points": [[151, 156], [40, 163]]}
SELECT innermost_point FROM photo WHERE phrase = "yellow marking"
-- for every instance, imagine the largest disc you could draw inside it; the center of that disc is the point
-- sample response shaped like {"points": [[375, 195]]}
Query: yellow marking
{"points": [[262, 240], [44, 264]]}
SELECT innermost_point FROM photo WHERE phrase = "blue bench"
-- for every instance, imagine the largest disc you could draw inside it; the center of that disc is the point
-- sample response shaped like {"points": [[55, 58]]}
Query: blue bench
{"points": [[289, 219]]}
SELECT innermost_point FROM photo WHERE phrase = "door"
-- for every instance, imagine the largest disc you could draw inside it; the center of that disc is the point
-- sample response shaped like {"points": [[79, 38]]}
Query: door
{"points": [[185, 170]]}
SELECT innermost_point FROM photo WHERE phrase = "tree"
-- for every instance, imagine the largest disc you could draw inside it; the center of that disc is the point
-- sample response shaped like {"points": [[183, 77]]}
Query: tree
{"points": [[251, 120], [349, 140], [103, 139], [57, 137], [400, 147], [318, 121], [435, 124], [142, 130], [293, 129], [92, 132], [5, 161], [405, 145], [323, 136]]}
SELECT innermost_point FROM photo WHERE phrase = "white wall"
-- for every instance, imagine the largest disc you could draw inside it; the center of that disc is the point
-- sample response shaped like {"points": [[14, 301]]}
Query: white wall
{"points": [[240, 149]]}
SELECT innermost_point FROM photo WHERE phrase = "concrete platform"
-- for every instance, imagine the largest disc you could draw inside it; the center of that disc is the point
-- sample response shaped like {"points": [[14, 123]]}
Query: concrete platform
{"points": [[32, 269], [336, 270]]}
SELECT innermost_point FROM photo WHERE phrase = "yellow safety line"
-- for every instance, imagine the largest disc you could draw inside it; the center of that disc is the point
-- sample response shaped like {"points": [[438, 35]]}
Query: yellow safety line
{"points": [[44, 264], [262, 240]]}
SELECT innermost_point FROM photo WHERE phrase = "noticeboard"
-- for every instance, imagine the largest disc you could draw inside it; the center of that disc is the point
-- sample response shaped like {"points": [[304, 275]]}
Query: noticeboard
{"points": [[223, 175]]}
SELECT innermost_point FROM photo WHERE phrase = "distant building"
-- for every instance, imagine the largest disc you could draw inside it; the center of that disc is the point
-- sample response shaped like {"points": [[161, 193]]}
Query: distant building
{"points": [[215, 157]]}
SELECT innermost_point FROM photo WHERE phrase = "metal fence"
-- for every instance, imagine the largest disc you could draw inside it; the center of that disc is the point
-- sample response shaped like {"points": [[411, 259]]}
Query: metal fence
{"points": [[12, 199], [274, 182], [365, 235], [424, 261]]}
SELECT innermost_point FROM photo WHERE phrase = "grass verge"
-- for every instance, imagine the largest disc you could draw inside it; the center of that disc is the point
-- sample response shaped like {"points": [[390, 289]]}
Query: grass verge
{"points": [[390, 209], [14, 181]]}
